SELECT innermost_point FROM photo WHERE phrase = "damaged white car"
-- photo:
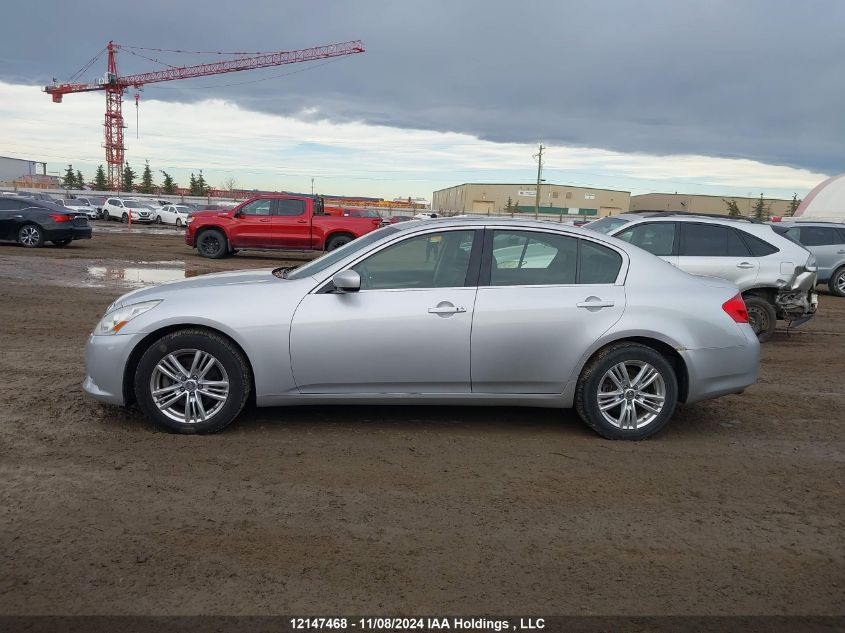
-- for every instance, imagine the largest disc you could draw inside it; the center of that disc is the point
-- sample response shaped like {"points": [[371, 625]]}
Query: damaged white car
{"points": [[777, 276]]}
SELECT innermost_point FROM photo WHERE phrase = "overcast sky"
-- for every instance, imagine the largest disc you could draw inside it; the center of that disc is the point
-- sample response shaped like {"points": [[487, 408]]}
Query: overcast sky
{"points": [[750, 93]]}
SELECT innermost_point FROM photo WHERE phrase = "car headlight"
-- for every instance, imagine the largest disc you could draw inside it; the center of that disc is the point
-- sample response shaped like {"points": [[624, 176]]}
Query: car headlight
{"points": [[113, 321]]}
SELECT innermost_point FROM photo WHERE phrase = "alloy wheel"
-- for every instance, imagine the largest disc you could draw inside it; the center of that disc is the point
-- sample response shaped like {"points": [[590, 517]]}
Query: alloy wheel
{"points": [[840, 282], [29, 236], [631, 394], [189, 386], [210, 244]]}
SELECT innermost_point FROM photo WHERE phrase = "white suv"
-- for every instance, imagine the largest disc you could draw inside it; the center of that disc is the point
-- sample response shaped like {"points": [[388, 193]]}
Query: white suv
{"points": [[777, 277], [124, 208]]}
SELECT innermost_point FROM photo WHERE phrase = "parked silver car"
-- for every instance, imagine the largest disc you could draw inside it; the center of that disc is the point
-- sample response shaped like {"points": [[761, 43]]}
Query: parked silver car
{"points": [[776, 275], [826, 241], [451, 311]]}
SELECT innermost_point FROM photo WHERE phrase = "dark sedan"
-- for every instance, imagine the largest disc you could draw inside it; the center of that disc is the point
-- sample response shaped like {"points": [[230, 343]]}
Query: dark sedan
{"points": [[33, 222]]}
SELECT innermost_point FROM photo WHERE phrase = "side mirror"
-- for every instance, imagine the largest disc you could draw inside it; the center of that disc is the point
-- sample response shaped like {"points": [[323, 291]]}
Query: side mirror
{"points": [[347, 281]]}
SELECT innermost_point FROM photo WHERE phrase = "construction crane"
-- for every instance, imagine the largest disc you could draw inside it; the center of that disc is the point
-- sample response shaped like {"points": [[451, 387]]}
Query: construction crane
{"points": [[115, 85]]}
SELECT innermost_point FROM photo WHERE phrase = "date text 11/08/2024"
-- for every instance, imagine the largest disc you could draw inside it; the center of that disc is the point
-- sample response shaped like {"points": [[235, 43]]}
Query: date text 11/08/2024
{"points": [[418, 624]]}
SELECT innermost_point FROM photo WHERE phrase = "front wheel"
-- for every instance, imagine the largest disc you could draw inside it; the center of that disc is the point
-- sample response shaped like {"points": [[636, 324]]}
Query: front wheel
{"points": [[192, 381], [179, 223], [31, 236], [627, 392], [212, 244], [61, 242], [125, 218], [106, 216], [158, 219], [761, 317], [837, 282]]}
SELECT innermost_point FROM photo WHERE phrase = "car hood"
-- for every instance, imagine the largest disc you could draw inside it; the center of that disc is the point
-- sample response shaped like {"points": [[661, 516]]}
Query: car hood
{"points": [[214, 280]]}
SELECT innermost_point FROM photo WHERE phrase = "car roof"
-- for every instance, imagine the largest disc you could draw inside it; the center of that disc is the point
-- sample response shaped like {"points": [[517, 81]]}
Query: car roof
{"points": [[482, 222], [824, 223], [683, 216]]}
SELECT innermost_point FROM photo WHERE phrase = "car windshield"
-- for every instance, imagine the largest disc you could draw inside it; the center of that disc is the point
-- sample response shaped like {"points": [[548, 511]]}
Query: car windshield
{"points": [[136, 205], [605, 225], [323, 262], [182, 209]]}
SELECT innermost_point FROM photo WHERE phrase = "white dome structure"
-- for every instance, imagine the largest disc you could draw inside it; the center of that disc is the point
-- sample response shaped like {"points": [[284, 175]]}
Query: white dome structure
{"points": [[825, 202]]}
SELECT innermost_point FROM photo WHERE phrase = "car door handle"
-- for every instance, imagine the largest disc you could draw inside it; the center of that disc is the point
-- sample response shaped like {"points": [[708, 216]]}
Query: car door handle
{"points": [[595, 304], [302, 221], [264, 220], [745, 265], [447, 310]]}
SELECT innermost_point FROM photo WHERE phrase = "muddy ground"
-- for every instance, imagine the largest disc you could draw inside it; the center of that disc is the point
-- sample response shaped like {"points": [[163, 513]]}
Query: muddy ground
{"points": [[735, 508]]}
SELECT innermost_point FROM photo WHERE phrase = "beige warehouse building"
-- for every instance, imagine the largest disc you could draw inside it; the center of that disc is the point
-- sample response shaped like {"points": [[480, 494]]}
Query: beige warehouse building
{"points": [[702, 203], [487, 198]]}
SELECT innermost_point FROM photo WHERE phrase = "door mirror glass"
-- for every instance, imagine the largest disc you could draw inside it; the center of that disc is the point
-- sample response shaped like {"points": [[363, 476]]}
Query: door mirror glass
{"points": [[347, 281]]}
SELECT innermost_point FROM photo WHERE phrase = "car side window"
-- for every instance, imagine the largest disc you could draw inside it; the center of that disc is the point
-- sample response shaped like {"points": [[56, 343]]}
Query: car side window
{"points": [[527, 258], [290, 207], [710, 240], [758, 247], [9, 205], [818, 236], [597, 264], [433, 260], [658, 238], [262, 206]]}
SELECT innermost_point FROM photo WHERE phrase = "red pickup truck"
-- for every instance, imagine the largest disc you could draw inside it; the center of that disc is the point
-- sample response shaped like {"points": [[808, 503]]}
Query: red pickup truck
{"points": [[273, 221]]}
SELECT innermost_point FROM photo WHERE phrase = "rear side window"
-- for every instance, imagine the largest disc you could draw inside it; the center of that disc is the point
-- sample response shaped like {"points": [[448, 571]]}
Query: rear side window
{"points": [[9, 205], [597, 264], [286, 206], [711, 240], [758, 247], [818, 236], [658, 238], [605, 225]]}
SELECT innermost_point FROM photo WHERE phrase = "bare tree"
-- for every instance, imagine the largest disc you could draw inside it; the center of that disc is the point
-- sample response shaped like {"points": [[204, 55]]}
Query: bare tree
{"points": [[229, 184]]}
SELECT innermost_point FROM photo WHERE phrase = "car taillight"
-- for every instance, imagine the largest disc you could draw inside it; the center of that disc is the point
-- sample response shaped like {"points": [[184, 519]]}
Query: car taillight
{"points": [[735, 307], [60, 217]]}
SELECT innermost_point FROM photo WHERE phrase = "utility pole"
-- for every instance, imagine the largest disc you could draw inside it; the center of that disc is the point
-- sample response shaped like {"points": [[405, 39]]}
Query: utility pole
{"points": [[539, 157]]}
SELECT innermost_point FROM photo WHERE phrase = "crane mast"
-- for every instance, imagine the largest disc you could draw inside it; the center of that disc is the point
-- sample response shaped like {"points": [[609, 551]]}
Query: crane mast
{"points": [[114, 86]]}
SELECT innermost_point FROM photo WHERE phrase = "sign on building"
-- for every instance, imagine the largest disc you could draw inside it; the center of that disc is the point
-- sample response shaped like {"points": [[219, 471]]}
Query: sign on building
{"points": [[527, 193]]}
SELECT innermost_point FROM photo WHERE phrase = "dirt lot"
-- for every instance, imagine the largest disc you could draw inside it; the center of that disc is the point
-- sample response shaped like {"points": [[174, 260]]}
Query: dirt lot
{"points": [[736, 508]]}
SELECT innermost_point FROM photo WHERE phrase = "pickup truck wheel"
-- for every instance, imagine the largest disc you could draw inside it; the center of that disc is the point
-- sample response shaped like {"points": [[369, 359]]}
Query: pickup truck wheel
{"points": [[761, 317], [837, 282], [211, 243], [337, 241]]}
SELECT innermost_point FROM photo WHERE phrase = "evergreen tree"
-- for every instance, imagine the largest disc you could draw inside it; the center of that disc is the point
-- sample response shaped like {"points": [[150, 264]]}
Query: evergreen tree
{"points": [[761, 210], [100, 182], [192, 188], [80, 181], [167, 185], [733, 207], [146, 185], [202, 185], [128, 178], [69, 179], [509, 205], [793, 205]]}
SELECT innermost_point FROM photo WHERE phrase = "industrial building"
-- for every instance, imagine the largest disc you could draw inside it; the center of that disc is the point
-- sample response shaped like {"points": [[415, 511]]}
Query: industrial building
{"points": [[693, 203], [23, 173], [519, 198]]}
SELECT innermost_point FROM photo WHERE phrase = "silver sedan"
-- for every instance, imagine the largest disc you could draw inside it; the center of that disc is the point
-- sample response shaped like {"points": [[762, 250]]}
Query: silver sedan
{"points": [[462, 311]]}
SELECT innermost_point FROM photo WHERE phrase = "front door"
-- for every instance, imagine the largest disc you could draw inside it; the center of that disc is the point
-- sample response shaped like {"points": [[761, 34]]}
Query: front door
{"points": [[253, 227], [543, 298], [406, 331]]}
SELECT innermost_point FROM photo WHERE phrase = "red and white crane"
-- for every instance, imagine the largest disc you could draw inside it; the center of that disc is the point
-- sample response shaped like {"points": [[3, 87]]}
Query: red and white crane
{"points": [[115, 85]]}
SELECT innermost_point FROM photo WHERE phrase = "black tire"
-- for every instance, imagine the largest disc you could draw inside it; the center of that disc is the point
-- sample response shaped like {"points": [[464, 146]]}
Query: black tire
{"points": [[223, 350], [761, 316], [158, 219], [594, 376], [31, 236], [336, 241], [836, 283], [61, 242], [179, 223], [125, 218], [106, 216], [212, 243]]}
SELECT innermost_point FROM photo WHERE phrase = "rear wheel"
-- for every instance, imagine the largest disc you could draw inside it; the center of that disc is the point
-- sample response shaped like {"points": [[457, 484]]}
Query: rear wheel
{"points": [[192, 381], [627, 392], [337, 241], [837, 282], [761, 317], [61, 242], [211, 243], [31, 236]]}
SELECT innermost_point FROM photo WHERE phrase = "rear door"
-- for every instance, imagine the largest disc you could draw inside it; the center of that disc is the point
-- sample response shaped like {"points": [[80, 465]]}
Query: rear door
{"points": [[253, 227], [717, 251], [658, 238], [291, 224], [543, 298]]}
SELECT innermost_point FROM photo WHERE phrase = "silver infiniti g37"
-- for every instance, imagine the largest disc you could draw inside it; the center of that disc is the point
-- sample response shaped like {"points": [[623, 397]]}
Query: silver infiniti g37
{"points": [[461, 311]]}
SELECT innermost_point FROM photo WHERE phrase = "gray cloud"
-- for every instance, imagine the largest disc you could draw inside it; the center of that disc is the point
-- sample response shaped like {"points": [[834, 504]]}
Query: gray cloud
{"points": [[758, 79]]}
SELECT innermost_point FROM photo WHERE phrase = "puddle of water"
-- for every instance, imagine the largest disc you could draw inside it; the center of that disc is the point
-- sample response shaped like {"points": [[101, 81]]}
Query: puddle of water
{"points": [[142, 275]]}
